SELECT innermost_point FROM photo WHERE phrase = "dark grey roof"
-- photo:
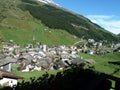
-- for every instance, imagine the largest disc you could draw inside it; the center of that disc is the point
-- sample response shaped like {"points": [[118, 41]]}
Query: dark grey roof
{"points": [[7, 60], [27, 57], [77, 60]]}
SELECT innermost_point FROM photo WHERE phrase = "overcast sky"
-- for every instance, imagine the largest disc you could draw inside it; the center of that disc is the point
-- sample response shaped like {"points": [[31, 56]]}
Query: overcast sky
{"points": [[105, 13]]}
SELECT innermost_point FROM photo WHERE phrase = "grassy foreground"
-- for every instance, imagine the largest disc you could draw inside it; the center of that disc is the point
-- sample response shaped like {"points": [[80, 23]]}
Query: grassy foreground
{"points": [[34, 74]]}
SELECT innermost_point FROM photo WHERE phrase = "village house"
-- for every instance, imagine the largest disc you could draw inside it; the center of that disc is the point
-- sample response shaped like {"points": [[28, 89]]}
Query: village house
{"points": [[8, 79], [6, 61]]}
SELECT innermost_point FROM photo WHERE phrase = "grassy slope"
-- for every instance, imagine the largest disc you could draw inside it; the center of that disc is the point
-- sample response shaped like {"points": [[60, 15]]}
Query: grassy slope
{"points": [[21, 21], [72, 23], [15, 25], [49, 37], [102, 64]]}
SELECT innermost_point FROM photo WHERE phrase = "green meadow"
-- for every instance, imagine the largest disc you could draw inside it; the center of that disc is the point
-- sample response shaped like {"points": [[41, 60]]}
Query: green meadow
{"points": [[103, 63]]}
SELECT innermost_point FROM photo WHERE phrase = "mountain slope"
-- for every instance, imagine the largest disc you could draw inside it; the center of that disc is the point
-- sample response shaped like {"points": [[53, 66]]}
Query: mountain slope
{"points": [[119, 34], [47, 23]]}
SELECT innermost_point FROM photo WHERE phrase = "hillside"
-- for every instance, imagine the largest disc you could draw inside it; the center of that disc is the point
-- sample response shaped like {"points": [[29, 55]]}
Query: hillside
{"points": [[119, 34], [21, 20]]}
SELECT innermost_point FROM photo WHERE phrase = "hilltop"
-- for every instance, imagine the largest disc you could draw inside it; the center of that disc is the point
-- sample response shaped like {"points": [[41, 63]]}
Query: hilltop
{"points": [[25, 20]]}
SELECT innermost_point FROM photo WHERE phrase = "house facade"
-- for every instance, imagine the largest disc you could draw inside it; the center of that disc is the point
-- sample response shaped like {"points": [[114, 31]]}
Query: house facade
{"points": [[8, 79]]}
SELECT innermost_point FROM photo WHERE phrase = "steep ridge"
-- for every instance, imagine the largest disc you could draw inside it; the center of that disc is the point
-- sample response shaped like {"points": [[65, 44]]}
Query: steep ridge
{"points": [[36, 16]]}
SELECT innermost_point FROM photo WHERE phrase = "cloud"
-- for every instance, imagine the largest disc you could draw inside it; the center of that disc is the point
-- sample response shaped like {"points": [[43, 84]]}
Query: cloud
{"points": [[110, 23]]}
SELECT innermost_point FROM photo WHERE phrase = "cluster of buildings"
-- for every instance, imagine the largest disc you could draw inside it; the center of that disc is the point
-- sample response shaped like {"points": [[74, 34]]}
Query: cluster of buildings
{"points": [[42, 57], [99, 48], [38, 57]]}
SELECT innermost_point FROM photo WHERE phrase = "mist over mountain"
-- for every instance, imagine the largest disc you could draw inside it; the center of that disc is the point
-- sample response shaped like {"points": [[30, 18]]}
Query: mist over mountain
{"points": [[47, 22]]}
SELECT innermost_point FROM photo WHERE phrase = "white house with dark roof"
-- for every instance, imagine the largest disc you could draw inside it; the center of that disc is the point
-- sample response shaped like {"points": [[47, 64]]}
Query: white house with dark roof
{"points": [[8, 79]]}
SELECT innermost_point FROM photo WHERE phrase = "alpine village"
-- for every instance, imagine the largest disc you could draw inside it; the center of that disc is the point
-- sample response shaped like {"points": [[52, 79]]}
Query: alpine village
{"points": [[44, 46]]}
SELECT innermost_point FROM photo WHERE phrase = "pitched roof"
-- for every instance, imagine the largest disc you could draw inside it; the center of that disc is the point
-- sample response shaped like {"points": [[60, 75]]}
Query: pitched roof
{"points": [[7, 60], [9, 75]]}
